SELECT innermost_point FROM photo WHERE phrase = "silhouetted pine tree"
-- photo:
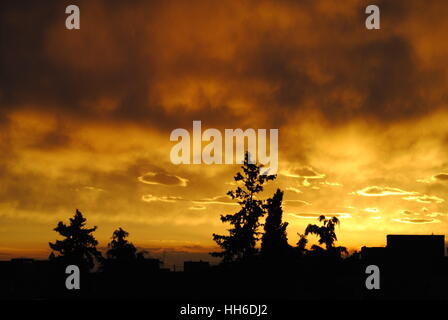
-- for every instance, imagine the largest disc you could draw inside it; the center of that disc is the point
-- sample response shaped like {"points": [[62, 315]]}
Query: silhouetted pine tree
{"points": [[120, 249], [274, 242], [243, 235], [122, 256], [79, 245]]}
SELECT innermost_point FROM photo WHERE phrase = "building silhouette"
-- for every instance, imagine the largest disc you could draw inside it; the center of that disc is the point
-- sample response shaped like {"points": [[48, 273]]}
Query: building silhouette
{"points": [[417, 246], [421, 247], [196, 266], [411, 266]]}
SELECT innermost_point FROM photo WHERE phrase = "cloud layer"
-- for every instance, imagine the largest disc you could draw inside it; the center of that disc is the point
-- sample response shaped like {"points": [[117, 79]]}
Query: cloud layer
{"points": [[85, 115]]}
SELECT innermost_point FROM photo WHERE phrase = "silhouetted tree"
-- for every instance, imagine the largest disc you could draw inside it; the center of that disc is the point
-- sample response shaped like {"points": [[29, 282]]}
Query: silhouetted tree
{"points": [[301, 244], [274, 242], [122, 256], [120, 249], [79, 245], [327, 236], [243, 236]]}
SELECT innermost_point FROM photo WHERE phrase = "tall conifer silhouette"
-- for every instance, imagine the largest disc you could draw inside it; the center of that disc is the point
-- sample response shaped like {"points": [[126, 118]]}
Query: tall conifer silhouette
{"points": [[79, 245], [243, 235], [120, 249], [274, 241]]}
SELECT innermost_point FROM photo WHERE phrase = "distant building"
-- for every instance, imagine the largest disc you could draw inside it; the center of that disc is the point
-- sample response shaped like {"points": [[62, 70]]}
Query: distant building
{"points": [[22, 261], [373, 253], [419, 248], [416, 246], [196, 266], [23, 265], [151, 265]]}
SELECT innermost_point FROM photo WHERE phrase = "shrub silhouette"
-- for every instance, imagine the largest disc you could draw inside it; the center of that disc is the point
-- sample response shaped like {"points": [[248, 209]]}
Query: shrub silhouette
{"points": [[327, 236]]}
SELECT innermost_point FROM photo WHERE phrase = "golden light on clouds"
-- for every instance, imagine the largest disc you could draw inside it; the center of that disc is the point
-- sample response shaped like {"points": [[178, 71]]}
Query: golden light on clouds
{"points": [[85, 117]]}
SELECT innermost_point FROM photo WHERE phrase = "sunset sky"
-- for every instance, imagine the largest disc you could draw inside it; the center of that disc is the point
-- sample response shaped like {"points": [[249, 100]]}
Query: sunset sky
{"points": [[86, 116]]}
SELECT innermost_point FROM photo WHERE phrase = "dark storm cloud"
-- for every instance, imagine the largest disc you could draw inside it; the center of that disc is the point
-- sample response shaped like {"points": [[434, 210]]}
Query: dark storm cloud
{"points": [[22, 61], [32, 76], [56, 138], [39, 193], [383, 73], [118, 54], [441, 177]]}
